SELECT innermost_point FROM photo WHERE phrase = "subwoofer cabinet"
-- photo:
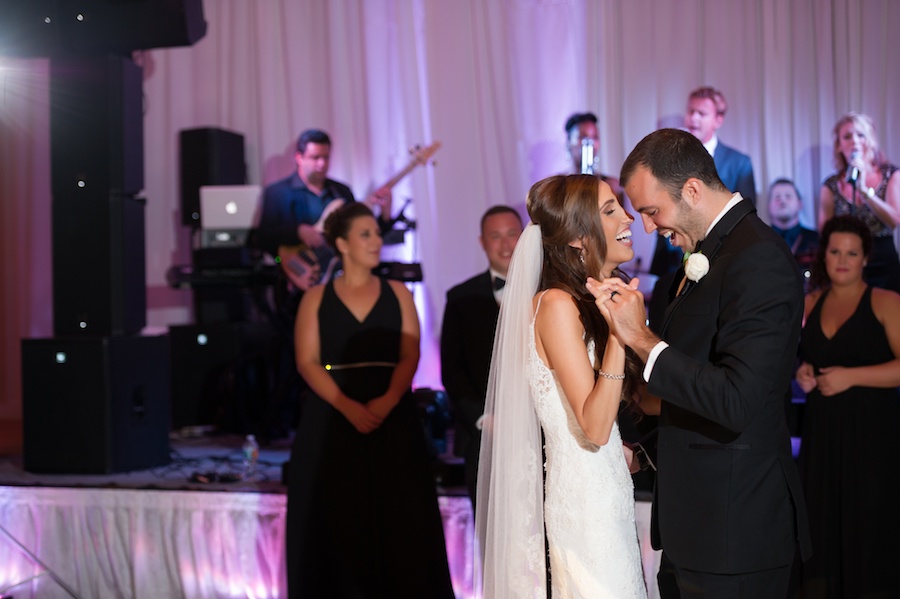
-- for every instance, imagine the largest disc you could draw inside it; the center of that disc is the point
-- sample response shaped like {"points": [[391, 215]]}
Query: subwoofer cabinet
{"points": [[95, 405]]}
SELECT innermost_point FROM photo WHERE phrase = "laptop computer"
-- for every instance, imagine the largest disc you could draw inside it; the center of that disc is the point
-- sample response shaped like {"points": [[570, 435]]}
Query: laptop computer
{"points": [[228, 213]]}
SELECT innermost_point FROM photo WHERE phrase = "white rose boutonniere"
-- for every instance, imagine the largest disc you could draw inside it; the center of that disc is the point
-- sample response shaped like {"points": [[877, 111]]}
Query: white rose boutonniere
{"points": [[696, 266]]}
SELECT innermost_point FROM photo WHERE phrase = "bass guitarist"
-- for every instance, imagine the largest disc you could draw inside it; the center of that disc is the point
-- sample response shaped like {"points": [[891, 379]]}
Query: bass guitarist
{"points": [[294, 207]]}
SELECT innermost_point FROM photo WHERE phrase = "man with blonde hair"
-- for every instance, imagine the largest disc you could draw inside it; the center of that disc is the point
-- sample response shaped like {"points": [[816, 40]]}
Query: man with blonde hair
{"points": [[705, 114]]}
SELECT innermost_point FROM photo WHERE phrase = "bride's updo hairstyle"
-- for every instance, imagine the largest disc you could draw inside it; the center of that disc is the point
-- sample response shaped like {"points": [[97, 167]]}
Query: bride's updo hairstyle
{"points": [[567, 209]]}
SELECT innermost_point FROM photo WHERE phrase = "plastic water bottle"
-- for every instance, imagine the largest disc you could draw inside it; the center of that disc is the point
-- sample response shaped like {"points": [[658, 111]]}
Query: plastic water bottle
{"points": [[251, 456]]}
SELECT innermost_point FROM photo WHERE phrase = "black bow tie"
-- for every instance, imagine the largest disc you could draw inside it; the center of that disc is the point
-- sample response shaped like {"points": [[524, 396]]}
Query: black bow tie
{"points": [[499, 283]]}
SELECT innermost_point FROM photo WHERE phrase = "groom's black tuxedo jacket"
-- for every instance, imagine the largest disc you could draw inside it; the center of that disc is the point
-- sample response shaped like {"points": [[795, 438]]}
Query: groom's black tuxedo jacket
{"points": [[728, 497]]}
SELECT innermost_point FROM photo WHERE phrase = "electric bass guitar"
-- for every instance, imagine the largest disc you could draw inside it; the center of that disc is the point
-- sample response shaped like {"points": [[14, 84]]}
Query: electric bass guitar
{"points": [[304, 265]]}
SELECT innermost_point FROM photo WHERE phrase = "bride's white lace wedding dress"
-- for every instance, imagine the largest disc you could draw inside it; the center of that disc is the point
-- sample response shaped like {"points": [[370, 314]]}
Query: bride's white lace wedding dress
{"points": [[589, 501]]}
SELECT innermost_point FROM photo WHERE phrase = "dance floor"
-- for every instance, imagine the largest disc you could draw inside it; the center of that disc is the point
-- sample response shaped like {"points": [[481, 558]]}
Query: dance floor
{"points": [[177, 530]]}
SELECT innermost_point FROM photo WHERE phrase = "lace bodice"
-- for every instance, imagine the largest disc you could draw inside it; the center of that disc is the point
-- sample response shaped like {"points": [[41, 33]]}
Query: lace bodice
{"points": [[589, 498]]}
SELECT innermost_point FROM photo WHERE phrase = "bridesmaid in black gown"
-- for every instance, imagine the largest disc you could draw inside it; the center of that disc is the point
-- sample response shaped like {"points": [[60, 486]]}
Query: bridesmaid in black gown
{"points": [[850, 346], [363, 519]]}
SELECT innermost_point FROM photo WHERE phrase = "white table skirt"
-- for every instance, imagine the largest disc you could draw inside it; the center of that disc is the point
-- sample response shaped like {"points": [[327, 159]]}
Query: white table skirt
{"points": [[145, 544]]}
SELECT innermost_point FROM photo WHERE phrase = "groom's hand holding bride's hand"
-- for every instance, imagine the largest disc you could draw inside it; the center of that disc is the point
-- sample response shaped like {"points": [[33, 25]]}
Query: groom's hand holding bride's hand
{"points": [[622, 305], [604, 292]]}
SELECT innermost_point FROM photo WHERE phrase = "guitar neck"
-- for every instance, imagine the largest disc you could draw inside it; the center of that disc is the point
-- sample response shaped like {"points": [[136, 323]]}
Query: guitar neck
{"points": [[422, 155], [397, 177], [370, 202]]}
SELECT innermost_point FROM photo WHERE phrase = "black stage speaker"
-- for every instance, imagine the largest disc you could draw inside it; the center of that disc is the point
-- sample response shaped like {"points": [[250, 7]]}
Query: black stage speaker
{"points": [[95, 405], [99, 280], [66, 27], [96, 133], [209, 156], [220, 374], [96, 127]]}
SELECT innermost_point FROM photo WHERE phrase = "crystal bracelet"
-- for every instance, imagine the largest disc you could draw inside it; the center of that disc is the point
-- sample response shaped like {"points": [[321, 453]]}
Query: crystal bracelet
{"points": [[615, 377]]}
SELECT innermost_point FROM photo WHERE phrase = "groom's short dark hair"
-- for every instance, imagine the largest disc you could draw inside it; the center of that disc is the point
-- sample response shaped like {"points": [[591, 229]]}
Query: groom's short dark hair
{"points": [[672, 156]]}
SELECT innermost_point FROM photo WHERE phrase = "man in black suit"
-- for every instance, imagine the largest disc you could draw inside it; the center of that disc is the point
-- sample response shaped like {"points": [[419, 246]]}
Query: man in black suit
{"points": [[728, 510], [467, 334]]}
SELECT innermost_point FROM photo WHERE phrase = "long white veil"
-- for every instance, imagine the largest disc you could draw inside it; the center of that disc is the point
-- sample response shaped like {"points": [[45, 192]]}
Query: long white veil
{"points": [[509, 517]]}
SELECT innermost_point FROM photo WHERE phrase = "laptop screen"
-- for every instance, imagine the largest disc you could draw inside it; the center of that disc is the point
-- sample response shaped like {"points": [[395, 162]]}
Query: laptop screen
{"points": [[229, 207]]}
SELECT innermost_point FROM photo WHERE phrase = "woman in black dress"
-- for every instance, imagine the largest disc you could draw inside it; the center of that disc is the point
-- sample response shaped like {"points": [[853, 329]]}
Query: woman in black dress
{"points": [[850, 346], [363, 519]]}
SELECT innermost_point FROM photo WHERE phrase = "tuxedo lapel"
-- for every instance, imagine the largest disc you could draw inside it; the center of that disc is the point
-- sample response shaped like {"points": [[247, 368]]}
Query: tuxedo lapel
{"points": [[713, 242], [710, 246], [676, 283], [673, 304]]}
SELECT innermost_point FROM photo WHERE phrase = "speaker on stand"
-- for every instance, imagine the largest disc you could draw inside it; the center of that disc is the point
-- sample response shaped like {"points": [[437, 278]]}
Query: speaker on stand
{"points": [[209, 156], [212, 156], [97, 162], [96, 396]]}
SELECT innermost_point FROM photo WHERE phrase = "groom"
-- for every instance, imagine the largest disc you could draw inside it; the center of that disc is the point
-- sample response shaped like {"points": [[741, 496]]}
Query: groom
{"points": [[728, 511]]}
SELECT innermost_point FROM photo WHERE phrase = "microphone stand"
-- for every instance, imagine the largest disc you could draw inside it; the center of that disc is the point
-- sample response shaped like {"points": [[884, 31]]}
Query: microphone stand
{"points": [[402, 218]]}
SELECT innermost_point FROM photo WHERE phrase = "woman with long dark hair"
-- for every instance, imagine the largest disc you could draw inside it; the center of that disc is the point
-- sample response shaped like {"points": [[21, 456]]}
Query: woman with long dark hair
{"points": [[559, 370]]}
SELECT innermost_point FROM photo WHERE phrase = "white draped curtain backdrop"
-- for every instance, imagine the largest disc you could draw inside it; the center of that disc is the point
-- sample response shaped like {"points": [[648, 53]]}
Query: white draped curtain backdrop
{"points": [[492, 81]]}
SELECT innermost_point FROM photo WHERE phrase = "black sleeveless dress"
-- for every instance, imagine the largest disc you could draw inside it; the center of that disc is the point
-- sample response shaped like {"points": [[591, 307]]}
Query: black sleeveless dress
{"points": [[849, 465], [363, 519]]}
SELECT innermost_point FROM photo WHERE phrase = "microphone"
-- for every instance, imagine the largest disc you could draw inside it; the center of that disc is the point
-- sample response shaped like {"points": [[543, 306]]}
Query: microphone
{"points": [[852, 169], [587, 156]]}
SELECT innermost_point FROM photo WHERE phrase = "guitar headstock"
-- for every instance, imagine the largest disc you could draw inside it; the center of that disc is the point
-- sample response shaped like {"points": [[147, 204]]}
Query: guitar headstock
{"points": [[423, 155], [420, 155]]}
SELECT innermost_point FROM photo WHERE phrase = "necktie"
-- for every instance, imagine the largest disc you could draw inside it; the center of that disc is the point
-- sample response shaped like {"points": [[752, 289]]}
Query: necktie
{"points": [[499, 283]]}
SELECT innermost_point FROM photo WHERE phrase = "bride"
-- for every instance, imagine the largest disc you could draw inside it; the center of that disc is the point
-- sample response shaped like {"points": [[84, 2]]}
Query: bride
{"points": [[558, 368]]}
